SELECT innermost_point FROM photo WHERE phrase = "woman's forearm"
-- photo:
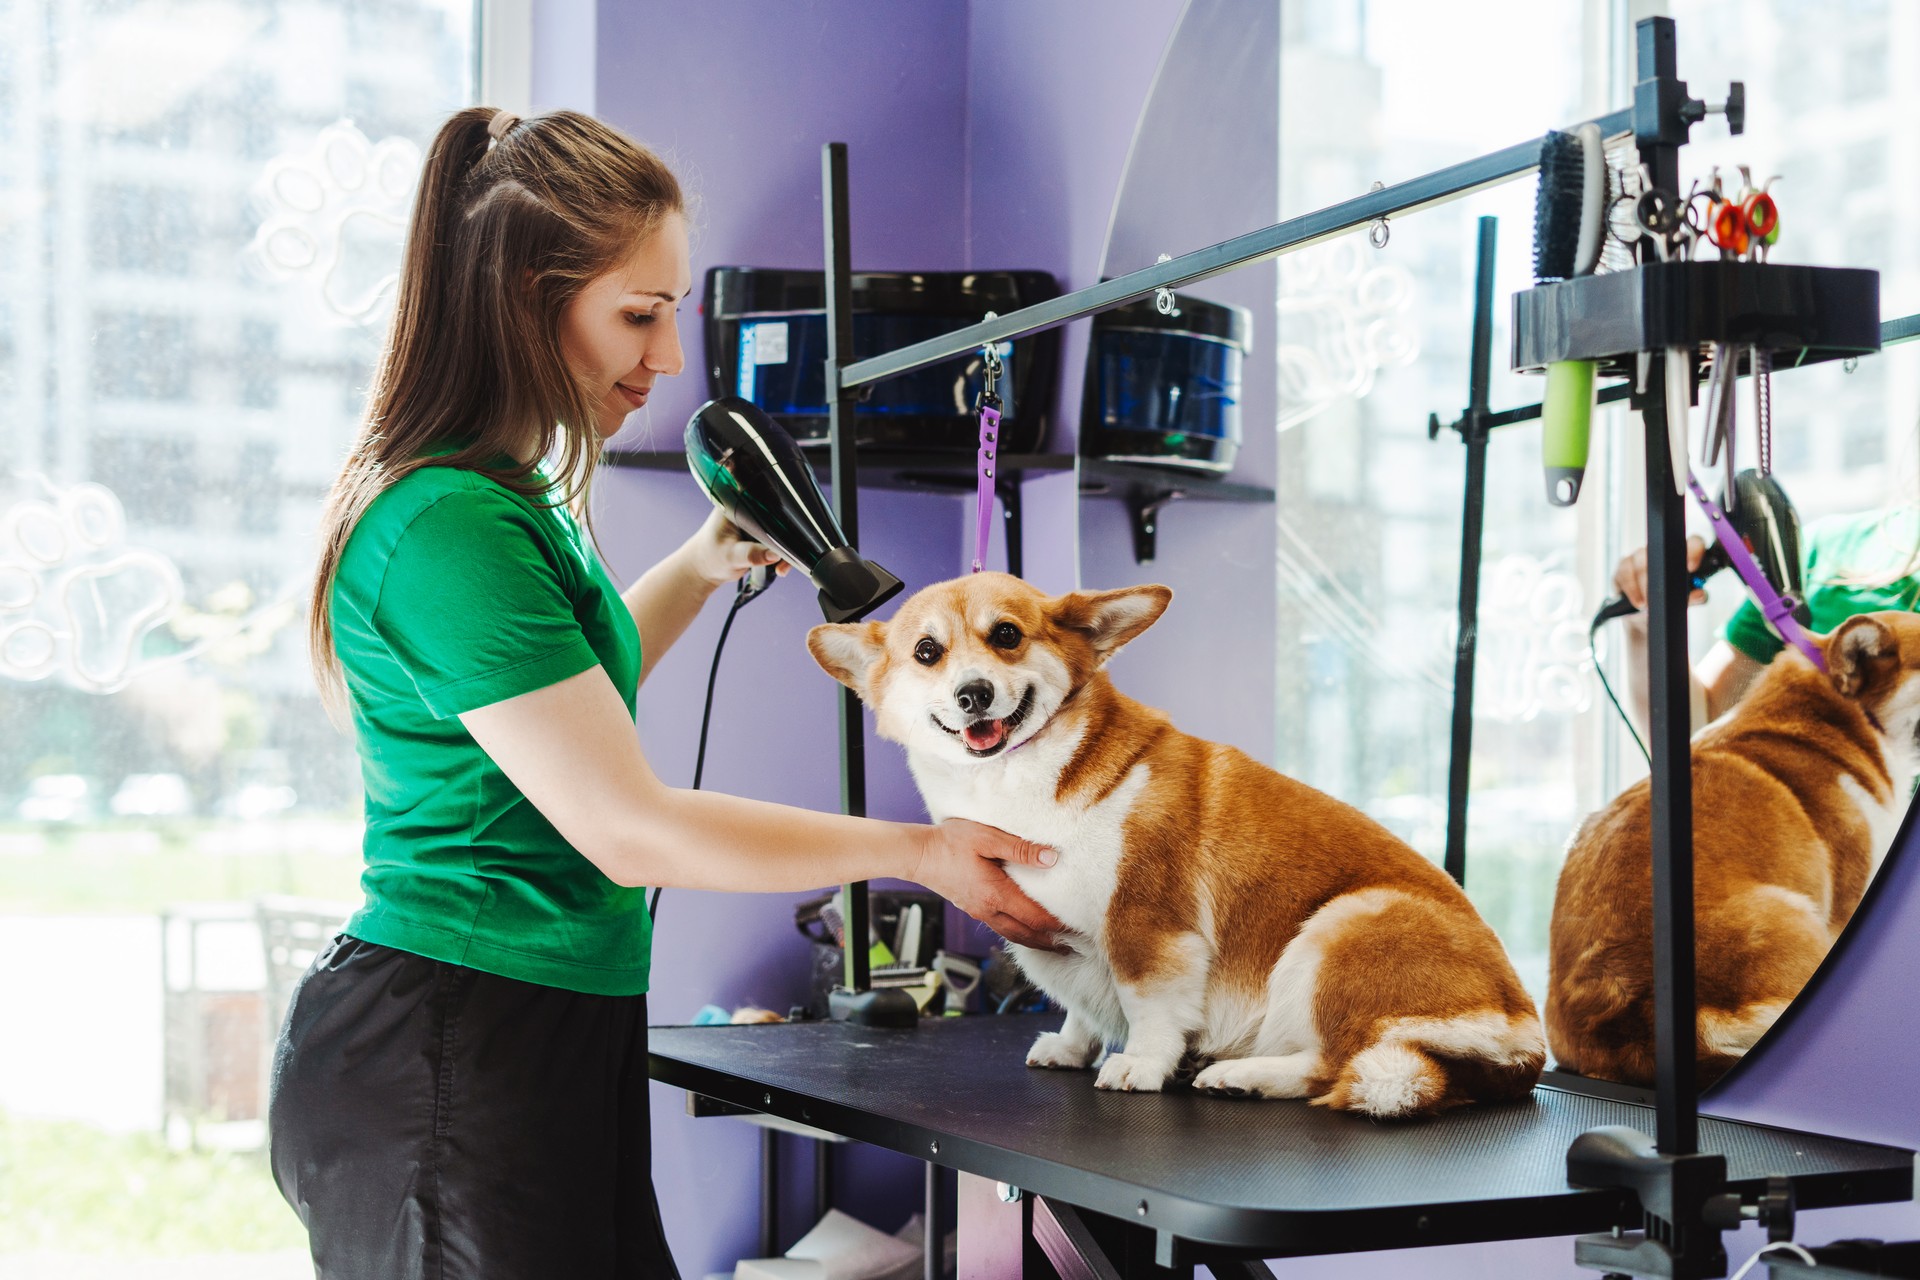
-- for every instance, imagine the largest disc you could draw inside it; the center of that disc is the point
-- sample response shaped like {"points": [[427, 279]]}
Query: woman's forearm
{"points": [[710, 840], [664, 603]]}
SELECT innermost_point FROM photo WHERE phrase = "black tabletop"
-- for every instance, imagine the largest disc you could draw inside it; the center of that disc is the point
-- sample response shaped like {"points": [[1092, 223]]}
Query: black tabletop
{"points": [[1270, 1177]]}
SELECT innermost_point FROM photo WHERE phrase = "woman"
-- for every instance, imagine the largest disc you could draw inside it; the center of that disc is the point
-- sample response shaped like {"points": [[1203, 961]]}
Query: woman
{"points": [[460, 1088], [1858, 563]]}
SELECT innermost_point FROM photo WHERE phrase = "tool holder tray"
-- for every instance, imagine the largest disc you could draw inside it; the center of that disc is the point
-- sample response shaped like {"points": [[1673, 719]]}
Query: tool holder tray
{"points": [[1820, 313]]}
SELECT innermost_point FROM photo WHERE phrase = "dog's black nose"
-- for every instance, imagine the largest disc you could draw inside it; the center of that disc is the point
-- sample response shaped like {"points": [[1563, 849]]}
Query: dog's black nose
{"points": [[974, 697]]}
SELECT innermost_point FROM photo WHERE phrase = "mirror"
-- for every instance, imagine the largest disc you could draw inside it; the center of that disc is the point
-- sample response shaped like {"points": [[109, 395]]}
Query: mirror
{"points": [[1353, 605]]}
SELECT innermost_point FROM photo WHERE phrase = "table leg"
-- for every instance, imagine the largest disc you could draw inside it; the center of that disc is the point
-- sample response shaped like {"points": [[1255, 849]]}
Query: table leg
{"points": [[993, 1231], [937, 1223], [769, 1193]]}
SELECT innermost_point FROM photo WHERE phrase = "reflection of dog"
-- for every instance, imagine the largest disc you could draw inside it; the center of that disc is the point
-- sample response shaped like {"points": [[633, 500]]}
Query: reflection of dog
{"points": [[1797, 793], [1228, 918]]}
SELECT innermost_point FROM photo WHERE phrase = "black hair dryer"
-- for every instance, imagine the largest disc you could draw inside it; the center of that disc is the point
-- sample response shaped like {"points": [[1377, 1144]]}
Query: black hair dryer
{"points": [[754, 472], [1766, 521]]}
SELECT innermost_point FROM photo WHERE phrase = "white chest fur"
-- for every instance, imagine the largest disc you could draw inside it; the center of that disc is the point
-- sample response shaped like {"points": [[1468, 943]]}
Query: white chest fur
{"points": [[1016, 794], [1882, 817]]}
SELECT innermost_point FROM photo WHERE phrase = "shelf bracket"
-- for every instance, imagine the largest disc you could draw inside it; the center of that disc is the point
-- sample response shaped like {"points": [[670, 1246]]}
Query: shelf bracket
{"points": [[1144, 505]]}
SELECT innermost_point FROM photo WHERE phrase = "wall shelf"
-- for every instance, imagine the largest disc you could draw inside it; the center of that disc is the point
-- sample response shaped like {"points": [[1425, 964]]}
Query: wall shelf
{"points": [[1144, 489]]}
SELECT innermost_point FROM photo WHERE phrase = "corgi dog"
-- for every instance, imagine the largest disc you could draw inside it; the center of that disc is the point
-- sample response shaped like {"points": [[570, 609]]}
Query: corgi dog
{"points": [[1797, 793], [1230, 925]]}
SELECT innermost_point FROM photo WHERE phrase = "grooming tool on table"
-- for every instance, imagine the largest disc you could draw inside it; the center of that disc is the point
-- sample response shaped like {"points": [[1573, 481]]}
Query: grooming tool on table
{"points": [[1569, 229], [1664, 219], [1719, 433]]}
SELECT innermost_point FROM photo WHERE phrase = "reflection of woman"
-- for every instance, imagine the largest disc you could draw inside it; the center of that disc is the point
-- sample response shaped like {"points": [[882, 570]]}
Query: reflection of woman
{"points": [[1853, 564], [461, 1085]]}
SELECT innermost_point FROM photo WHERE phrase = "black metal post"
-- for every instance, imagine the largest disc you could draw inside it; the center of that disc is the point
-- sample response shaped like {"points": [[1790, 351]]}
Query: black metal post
{"points": [[1473, 430], [937, 1221], [769, 1192], [822, 1178], [1675, 1091], [1008, 489], [846, 510], [1660, 130]]}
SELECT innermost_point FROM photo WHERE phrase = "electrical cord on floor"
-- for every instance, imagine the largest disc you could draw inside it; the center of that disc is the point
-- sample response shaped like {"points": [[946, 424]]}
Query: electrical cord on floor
{"points": [[746, 591], [1601, 671]]}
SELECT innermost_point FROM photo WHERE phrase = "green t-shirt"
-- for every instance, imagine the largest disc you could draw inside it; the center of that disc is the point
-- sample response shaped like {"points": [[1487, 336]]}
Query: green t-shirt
{"points": [[454, 592], [1841, 547]]}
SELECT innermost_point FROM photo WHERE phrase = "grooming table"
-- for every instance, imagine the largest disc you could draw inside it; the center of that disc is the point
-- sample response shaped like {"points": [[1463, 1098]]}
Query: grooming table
{"points": [[1216, 1179]]}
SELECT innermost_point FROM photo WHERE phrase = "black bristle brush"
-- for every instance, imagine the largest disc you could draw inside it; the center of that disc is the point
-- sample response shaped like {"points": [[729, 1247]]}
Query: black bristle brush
{"points": [[1569, 227]]}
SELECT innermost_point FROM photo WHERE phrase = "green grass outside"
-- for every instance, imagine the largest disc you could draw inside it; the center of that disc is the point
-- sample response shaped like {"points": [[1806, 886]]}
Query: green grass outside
{"points": [[108, 870], [71, 1188]]}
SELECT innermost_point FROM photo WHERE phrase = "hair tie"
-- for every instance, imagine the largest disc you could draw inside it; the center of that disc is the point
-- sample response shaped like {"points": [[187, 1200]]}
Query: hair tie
{"points": [[502, 121]]}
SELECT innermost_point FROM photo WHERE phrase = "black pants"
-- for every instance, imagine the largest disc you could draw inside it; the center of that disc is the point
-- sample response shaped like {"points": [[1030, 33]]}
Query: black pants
{"points": [[432, 1122]]}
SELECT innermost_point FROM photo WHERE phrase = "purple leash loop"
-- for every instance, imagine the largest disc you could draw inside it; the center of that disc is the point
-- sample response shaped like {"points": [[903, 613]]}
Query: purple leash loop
{"points": [[989, 448], [1777, 609]]}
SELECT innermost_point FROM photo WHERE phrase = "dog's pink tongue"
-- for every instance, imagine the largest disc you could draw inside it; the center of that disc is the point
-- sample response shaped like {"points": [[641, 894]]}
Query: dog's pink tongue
{"points": [[986, 735]]}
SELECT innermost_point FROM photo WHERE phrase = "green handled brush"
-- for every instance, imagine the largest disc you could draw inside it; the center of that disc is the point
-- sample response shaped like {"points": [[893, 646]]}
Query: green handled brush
{"points": [[1569, 227]]}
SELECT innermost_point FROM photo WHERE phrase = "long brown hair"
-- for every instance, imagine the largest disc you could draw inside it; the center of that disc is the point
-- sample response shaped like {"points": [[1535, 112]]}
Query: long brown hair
{"points": [[506, 231]]}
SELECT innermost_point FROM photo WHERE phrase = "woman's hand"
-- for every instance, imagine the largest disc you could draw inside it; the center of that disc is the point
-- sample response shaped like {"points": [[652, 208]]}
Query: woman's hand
{"points": [[964, 862], [721, 551], [1630, 579]]}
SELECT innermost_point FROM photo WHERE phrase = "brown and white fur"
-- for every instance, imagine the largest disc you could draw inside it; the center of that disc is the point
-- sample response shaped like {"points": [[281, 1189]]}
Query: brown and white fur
{"points": [[1797, 792], [1225, 917]]}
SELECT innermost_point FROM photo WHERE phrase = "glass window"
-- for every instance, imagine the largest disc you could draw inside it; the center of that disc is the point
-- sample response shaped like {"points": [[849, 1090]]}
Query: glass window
{"points": [[1374, 340], [202, 212]]}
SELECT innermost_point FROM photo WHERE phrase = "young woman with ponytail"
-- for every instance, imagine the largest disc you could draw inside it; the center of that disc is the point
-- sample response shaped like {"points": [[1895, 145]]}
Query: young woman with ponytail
{"points": [[460, 1089]]}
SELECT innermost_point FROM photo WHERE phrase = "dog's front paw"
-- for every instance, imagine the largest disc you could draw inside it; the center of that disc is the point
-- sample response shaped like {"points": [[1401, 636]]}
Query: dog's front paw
{"points": [[1134, 1074], [1055, 1050]]}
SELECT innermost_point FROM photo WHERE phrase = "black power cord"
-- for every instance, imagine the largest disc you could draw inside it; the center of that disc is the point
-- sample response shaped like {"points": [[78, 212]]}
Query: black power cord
{"points": [[1599, 669], [752, 586]]}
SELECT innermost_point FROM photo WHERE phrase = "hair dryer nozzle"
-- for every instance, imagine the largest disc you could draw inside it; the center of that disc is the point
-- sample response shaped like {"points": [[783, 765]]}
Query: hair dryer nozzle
{"points": [[756, 474], [852, 588]]}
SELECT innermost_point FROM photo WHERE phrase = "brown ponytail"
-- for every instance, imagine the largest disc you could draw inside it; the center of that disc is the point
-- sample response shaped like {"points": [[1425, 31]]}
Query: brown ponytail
{"points": [[505, 233]]}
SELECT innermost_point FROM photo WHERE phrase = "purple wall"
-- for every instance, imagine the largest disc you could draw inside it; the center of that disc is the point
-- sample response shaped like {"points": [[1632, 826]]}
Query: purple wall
{"points": [[994, 133], [739, 96]]}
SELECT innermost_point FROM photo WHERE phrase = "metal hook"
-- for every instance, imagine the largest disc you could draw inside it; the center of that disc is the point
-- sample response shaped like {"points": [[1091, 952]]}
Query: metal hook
{"points": [[1380, 231], [991, 366], [1163, 296]]}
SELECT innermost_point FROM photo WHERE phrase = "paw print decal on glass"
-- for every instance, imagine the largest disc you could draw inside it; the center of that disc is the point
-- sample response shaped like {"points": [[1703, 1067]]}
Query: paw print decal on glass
{"points": [[1533, 642], [1341, 322], [75, 600], [334, 219]]}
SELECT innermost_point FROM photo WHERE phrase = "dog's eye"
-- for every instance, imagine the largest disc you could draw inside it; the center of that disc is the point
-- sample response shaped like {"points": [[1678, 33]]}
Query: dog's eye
{"points": [[927, 652], [1004, 636]]}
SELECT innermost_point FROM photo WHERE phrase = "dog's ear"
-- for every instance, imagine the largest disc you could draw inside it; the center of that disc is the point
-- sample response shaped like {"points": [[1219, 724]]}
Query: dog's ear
{"points": [[1854, 651], [1109, 619], [848, 650]]}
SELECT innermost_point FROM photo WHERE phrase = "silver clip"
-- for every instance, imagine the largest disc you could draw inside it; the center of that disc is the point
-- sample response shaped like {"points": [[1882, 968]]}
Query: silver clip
{"points": [[1163, 296], [1379, 232], [990, 357]]}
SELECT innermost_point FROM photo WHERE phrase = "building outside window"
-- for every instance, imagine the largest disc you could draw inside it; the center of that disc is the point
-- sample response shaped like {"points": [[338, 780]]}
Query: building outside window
{"points": [[201, 208]]}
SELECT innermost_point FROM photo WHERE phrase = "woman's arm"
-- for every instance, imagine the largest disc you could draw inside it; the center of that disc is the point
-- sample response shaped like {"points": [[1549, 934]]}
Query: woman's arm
{"points": [[571, 750], [666, 598], [1715, 685]]}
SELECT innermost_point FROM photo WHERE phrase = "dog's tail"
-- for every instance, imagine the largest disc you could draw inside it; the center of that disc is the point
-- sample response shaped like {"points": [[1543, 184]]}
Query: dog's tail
{"points": [[1420, 1066]]}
